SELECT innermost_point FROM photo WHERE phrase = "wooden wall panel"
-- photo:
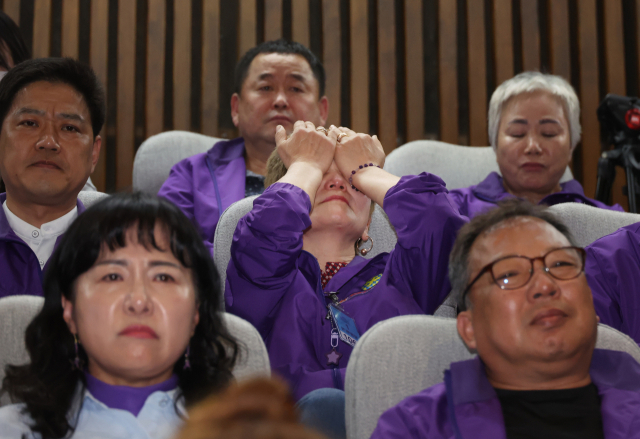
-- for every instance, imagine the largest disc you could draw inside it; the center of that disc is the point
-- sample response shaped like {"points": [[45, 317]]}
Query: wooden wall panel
{"points": [[530, 34], [247, 26], [331, 57], [503, 39], [616, 78], [589, 92], [125, 135], [156, 34], [359, 40], [300, 21], [477, 74], [559, 38], [272, 19], [12, 9], [387, 100], [182, 65], [448, 71], [99, 50], [210, 66], [41, 28], [414, 70], [70, 27], [362, 67]]}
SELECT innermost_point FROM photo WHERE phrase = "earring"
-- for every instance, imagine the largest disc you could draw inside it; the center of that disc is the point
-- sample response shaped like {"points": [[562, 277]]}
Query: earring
{"points": [[77, 362], [187, 364], [363, 251]]}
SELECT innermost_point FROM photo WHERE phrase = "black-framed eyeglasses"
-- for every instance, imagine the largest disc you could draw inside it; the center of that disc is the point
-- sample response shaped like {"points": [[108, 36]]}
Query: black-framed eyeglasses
{"points": [[511, 272]]}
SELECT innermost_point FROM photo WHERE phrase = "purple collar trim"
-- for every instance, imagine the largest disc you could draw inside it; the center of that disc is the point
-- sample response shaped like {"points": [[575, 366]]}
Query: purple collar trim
{"points": [[127, 398], [492, 189]]}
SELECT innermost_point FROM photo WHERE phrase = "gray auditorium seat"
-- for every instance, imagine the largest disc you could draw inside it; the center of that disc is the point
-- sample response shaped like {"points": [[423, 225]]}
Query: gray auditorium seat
{"points": [[588, 223], [157, 155], [383, 234], [16, 312], [401, 356], [89, 198], [459, 166]]}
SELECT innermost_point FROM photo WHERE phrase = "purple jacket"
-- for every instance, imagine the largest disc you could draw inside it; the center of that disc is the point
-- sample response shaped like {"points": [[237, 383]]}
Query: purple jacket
{"points": [[204, 185], [613, 273], [474, 200], [275, 285], [466, 406], [20, 271]]}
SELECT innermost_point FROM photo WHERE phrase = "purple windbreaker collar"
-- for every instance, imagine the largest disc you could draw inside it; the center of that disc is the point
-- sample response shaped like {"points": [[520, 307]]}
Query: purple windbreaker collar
{"points": [[492, 189], [127, 398], [470, 383], [231, 150]]}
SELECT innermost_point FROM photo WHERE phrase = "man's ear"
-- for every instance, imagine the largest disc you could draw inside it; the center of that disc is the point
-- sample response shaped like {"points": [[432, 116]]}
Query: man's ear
{"points": [[464, 322], [67, 315], [323, 106], [95, 154], [235, 101]]}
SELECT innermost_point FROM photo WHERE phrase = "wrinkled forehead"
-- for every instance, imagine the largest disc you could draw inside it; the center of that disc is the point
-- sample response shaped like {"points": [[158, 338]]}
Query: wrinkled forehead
{"points": [[522, 235]]}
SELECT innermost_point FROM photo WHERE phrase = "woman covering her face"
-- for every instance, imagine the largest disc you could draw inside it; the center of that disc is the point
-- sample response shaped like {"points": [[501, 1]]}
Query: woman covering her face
{"points": [[294, 272], [130, 331], [534, 126]]}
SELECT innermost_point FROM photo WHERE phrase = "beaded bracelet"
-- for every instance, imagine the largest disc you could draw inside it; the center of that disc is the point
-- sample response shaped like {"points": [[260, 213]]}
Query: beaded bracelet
{"points": [[366, 165]]}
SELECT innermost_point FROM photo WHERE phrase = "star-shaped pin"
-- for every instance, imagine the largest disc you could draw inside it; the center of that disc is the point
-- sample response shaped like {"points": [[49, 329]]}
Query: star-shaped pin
{"points": [[333, 357]]}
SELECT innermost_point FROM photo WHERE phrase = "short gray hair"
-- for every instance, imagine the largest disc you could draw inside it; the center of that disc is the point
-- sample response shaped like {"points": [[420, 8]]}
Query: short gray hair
{"points": [[527, 82], [507, 210]]}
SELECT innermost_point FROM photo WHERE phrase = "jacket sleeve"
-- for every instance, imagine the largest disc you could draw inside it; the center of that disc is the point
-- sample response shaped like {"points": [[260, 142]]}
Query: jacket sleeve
{"points": [[264, 253], [426, 222]]}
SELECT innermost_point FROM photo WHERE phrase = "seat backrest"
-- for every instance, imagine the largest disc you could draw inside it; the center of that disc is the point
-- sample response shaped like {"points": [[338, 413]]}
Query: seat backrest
{"points": [[588, 223], [401, 356], [88, 198], [157, 155], [383, 234], [459, 166], [16, 312]]}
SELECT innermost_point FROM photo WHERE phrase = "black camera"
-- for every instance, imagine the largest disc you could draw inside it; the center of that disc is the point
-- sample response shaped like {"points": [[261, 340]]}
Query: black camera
{"points": [[619, 118]]}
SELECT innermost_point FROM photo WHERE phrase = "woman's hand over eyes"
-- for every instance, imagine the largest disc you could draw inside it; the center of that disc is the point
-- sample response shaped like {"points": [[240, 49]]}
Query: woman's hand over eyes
{"points": [[307, 146], [356, 149]]}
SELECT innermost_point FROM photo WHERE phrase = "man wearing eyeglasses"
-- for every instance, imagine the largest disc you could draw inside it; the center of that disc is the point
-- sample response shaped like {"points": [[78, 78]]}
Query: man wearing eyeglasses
{"points": [[528, 312]]}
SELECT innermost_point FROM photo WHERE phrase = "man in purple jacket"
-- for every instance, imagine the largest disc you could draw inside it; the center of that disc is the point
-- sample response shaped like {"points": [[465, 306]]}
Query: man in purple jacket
{"points": [[613, 272], [51, 112], [276, 83], [528, 312]]}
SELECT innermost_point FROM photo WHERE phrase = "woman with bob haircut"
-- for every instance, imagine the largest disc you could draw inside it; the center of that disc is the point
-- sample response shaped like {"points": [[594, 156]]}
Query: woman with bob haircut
{"points": [[297, 270], [534, 126], [130, 332]]}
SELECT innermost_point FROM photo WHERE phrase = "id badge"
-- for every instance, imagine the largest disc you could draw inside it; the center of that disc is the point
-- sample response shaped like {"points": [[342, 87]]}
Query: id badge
{"points": [[345, 324]]}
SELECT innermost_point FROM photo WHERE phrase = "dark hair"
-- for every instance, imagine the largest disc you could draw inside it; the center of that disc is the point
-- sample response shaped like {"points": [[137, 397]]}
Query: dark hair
{"points": [[56, 70], [11, 36], [506, 210], [49, 384], [279, 46]]}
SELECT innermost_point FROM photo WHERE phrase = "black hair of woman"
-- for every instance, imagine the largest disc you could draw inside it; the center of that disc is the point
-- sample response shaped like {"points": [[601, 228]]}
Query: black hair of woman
{"points": [[49, 385]]}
